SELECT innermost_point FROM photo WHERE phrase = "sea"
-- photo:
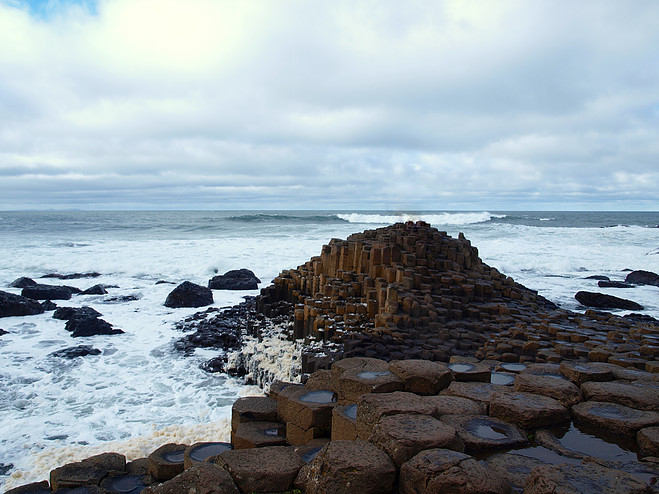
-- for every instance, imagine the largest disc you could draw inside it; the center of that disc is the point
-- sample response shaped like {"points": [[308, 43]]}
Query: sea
{"points": [[140, 393]]}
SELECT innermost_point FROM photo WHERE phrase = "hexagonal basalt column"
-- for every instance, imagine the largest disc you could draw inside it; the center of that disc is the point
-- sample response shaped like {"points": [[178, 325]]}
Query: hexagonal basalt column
{"points": [[307, 409], [344, 423], [613, 417], [483, 433], [200, 452], [465, 371], [257, 434], [250, 408], [528, 410], [372, 407], [404, 435], [422, 377], [166, 462], [356, 382]]}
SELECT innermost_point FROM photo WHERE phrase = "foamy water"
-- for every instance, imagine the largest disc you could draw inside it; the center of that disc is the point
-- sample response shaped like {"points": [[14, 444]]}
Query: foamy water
{"points": [[139, 393]]}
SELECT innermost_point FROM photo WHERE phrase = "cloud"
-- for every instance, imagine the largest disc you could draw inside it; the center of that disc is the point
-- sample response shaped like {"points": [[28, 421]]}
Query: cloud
{"points": [[368, 104]]}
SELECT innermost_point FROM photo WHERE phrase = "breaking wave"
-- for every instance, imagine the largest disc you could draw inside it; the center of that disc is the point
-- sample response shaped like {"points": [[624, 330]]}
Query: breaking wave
{"points": [[434, 219]]}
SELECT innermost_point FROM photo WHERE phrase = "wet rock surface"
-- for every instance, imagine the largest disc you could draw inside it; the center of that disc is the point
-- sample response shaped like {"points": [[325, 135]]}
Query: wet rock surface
{"points": [[17, 305], [76, 351], [604, 301], [587, 479], [49, 292], [348, 466], [237, 279], [189, 294]]}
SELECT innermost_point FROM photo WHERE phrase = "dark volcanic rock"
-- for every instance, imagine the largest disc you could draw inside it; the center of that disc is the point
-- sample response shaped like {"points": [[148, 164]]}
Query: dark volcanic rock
{"points": [[68, 313], [2, 331], [614, 284], [72, 276], [189, 294], [90, 326], [16, 305], [643, 278], [76, 351], [95, 290], [237, 279], [597, 277], [48, 305], [48, 292], [603, 301], [22, 282]]}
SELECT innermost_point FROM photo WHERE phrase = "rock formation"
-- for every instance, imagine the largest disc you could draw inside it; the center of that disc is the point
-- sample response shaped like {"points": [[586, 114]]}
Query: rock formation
{"points": [[410, 291]]}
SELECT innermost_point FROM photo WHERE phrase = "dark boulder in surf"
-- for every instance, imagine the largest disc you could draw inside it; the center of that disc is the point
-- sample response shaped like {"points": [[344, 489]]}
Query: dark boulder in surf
{"points": [[95, 290], [189, 294], [90, 326], [72, 276], [68, 313], [76, 351], [22, 282], [614, 284], [603, 301], [49, 292], [16, 305], [236, 279], [643, 278]]}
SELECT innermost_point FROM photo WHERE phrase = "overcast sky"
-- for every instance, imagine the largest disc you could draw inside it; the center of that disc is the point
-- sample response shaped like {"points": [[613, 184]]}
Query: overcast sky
{"points": [[303, 104]]}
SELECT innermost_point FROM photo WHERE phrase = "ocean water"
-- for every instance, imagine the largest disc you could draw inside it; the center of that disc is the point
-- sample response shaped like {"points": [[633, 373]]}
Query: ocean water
{"points": [[139, 393]]}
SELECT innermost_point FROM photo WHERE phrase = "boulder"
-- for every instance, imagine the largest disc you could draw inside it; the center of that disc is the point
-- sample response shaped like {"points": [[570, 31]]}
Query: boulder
{"points": [[404, 435], [348, 466], [444, 470], [528, 410], [613, 417], [72, 276], [203, 478], [584, 479], [269, 469], [48, 305], [189, 294], [76, 351], [614, 284], [48, 292], [95, 290], [2, 331], [68, 313], [603, 301], [16, 305], [22, 282], [422, 377], [236, 279], [643, 278], [91, 326]]}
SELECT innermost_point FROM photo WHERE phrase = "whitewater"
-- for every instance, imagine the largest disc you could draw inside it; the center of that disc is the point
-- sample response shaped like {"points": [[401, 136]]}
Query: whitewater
{"points": [[140, 393]]}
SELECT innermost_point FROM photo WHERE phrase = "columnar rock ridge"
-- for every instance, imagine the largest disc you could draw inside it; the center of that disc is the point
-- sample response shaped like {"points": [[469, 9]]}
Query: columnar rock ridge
{"points": [[411, 291]]}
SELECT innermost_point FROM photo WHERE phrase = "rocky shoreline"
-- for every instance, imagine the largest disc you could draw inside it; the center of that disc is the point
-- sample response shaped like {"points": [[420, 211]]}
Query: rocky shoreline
{"points": [[423, 369]]}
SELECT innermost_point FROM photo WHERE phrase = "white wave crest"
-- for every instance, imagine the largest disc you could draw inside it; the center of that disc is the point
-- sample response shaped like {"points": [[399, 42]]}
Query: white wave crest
{"points": [[432, 218]]}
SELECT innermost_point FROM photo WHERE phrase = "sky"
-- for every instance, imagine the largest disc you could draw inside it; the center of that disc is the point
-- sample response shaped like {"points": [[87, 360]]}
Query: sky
{"points": [[306, 104]]}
